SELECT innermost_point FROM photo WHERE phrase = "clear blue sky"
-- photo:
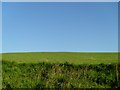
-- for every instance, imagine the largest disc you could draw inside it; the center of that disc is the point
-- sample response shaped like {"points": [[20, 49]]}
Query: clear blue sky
{"points": [[38, 27], [0, 27]]}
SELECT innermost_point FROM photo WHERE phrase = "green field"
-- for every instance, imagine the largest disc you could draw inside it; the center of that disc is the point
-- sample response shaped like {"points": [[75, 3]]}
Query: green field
{"points": [[59, 70], [61, 57]]}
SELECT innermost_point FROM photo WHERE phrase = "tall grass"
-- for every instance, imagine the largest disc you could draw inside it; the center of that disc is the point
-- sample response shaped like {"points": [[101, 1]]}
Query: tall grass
{"points": [[63, 75]]}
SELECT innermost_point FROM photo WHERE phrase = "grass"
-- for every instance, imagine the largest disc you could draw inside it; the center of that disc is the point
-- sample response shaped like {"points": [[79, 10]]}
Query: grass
{"points": [[59, 70], [46, 75], [61, 57]]}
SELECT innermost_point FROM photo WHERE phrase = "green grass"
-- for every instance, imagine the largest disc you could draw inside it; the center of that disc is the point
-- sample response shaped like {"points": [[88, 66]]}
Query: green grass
{"points": [[46, 75], [59, 70], [61, 57]]}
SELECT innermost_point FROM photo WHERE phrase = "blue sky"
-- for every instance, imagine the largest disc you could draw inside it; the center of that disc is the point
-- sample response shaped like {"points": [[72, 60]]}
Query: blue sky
{"points": [[48, 27], [60, 0], [0, 27]]}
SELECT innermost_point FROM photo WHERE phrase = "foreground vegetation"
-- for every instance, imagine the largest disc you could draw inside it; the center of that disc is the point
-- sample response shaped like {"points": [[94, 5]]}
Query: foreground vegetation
{"points": [[74, 70], [45, 75]]}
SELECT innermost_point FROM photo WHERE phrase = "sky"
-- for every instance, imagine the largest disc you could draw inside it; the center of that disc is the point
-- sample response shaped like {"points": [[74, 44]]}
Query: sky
{"points": [[59, 27], [59, 0], [0, 27]]}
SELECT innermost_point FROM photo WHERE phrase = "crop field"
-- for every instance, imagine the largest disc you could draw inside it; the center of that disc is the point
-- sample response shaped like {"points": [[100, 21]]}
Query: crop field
{"points": [[60, 70]]}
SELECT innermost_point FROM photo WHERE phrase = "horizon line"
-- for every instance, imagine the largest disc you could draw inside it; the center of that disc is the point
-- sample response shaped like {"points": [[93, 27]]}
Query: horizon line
{"points": [[63, 51]]}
